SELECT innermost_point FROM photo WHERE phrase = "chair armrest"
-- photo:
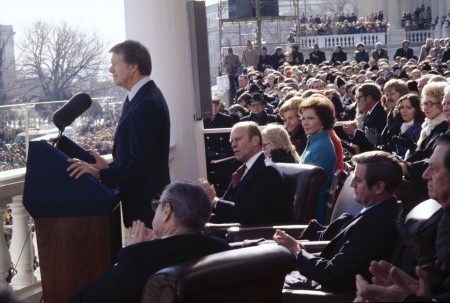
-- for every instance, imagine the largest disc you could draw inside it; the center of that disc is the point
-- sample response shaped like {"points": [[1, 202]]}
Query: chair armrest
{"points": [[218, 229], [314, 246], [313, 296], [241, 233]]}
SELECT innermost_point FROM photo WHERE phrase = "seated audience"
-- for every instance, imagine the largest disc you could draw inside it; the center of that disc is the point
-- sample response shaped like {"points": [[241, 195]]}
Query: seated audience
{"points": [[409, 111], [180, 216], [276, 145], [255, 189], [434, 125], [318, 118], [258, 114], [290, 114], [431, 248], [366, 135], [354, 241]]}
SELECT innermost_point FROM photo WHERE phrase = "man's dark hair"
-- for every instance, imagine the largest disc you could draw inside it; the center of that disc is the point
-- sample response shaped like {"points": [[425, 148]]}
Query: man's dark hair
{"points": [[134, 52], [381, 166], [444, 139], [370, 89]]}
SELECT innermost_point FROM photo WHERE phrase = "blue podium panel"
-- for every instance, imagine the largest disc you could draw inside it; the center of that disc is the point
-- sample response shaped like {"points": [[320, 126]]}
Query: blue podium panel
{"points": [[50, 192]]}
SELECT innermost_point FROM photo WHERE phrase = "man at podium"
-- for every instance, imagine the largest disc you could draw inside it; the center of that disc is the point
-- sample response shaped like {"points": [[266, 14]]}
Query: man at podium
{"points": [[141, 143]]}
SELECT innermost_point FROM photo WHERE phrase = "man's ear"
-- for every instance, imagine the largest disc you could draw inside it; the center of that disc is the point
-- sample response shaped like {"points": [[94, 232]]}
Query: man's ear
{"points": [[379, 187], [166, 212]]}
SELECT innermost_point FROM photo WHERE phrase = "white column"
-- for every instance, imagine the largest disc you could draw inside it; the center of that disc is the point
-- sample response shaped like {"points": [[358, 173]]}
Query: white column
{"points": [[434, 10], [394, 14], [403, 7], [163, 27], [5, 257], [442, 8], [21, 247]]}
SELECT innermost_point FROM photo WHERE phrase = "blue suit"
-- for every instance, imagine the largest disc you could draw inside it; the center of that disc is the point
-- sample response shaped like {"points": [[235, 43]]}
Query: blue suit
{"points": [[320, 152], [141, 154]]}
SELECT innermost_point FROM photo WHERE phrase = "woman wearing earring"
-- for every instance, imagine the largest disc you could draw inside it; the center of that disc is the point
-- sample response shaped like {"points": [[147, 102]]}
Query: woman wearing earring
{"points": [[318, 117]]}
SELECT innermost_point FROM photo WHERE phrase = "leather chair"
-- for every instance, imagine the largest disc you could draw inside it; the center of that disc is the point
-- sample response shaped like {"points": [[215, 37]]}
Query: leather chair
{"points": [[339, 178], [344, 203], [254, 274], [422, 212], [302, 184]]}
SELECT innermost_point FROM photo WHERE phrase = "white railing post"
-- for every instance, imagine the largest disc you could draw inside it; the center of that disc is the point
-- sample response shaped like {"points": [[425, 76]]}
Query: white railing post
{"points": [[5, 257], [21, 247]]}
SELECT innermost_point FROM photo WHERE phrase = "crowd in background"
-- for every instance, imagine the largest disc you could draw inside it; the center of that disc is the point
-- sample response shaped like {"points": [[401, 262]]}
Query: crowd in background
{"points": [[339, 25]]}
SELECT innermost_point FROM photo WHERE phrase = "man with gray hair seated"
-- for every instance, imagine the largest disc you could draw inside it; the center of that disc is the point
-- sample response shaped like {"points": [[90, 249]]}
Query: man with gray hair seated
{"points": [[180, 215]]}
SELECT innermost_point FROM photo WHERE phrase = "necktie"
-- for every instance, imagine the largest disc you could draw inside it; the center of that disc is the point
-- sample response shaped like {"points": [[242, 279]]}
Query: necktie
{"points": [[126, 105], [237, 175]]}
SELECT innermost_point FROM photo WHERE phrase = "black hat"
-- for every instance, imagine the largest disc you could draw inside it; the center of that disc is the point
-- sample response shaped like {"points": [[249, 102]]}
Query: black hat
{"points": [[253, 88], [389, 76], [339, 81], [380, 81], [256, 97]]}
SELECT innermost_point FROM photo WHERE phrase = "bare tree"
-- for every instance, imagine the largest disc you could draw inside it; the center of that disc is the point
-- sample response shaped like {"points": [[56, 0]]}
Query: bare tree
{"points": [[59, 59], [339, 7], [3, 67]]}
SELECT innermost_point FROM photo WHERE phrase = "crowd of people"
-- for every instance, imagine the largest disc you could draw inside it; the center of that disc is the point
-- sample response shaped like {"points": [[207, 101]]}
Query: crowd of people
{"points": [[339, 25], [419, 19], [90, 136], [379, 115]]}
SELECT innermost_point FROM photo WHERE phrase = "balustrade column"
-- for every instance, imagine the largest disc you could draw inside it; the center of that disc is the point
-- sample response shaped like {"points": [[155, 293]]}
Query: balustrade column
{"points": [[21, 247], [5, 257]]}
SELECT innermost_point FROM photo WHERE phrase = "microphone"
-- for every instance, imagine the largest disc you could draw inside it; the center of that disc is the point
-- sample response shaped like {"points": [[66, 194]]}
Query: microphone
{"points": [[77, 105]]}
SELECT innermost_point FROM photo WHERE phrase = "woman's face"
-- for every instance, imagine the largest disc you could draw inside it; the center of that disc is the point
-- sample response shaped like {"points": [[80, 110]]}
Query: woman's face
{"points": [[311, 122], [291, 120], [407, 111], [430, 106], [267, 145]]}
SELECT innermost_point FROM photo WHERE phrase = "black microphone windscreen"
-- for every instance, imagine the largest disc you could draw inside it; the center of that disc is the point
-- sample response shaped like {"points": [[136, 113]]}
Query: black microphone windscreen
{"points": [[76, 106]]}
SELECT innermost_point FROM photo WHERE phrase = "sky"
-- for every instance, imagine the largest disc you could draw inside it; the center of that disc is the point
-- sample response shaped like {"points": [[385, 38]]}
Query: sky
{"points": [[103, 17]]}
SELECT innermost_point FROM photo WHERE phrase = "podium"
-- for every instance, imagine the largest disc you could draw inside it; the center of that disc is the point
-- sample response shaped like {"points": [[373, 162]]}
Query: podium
{"points": [[77, 221]]}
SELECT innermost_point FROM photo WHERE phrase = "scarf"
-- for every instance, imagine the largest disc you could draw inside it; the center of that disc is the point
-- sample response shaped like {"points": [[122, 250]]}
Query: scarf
{"points": [[429, 125]]}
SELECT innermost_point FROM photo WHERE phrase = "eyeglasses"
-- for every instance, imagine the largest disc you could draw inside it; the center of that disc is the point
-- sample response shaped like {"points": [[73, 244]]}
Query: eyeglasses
{"points": [[359, 97], [265, 145], [155, 203], [429, 104]]}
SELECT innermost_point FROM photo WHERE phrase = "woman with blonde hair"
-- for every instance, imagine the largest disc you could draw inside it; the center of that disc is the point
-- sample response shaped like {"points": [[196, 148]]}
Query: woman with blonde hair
{"points": [[277, 145]]}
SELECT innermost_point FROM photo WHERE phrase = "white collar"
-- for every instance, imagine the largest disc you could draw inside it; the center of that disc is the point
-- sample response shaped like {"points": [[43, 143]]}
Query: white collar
{"points": [[370, 111], [251, 161], [136, 87]]}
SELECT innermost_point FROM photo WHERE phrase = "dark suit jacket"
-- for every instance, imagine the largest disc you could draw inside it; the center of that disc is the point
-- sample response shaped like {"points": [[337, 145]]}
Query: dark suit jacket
{"points": [[383, 54], [356, 242], [257, 198], [317, 58], [408, 54], [375, 120], [263, 119], [135, 263], [418, 162], [141, 154]]}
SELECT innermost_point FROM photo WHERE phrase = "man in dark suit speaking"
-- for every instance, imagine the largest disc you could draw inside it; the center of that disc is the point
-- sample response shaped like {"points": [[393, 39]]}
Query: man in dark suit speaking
{"points": [[255, 193], [141, 142], [180, 215], [354, 241]]}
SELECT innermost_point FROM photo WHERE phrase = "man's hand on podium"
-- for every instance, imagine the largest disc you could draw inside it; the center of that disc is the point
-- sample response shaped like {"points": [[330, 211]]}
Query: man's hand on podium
{"points": [[79, 168], [138, 233]]}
